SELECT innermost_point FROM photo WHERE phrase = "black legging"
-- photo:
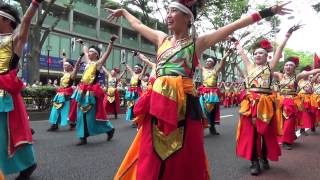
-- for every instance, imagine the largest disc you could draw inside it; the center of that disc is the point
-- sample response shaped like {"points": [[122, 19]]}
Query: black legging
{"points": [[254, 156]]}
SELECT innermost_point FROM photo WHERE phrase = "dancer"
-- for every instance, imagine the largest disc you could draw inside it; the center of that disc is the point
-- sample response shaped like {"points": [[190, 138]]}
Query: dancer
{"points": [[316, 98], [153, 66], [209, 99], [305, 90], [134, 92], [62, 101], [257, 129], [91, 115], [289, 103], [228, 90], [16, 149], [111, 100], [164, 148]]}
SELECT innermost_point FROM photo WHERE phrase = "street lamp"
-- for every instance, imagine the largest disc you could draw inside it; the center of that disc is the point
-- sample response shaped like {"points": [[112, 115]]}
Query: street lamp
{"points": [[49, 48]]}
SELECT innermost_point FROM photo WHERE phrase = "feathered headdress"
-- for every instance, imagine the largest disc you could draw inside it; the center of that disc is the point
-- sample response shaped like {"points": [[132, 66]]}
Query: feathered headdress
{"points": [[264, 44], [293, 59]]}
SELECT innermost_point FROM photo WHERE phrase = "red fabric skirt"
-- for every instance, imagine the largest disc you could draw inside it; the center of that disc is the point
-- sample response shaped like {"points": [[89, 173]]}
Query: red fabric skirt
{"points": [[114, 106]]}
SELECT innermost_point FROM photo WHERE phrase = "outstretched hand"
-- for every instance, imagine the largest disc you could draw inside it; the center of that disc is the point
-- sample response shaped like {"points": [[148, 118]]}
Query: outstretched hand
{"points": [[115, 14], [294, 28], [280, 9], [113, 38]]}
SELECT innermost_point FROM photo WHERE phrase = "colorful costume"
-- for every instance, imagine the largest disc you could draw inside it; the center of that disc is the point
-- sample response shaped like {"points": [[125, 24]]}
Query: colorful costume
{"points": [[169, 143], [209, 99], [228, 96], [62, 102], [111, 100], [307, 117], [91, 114], [257, 128], [316, 100], [288, 105], [16, 150], [132, 95]]}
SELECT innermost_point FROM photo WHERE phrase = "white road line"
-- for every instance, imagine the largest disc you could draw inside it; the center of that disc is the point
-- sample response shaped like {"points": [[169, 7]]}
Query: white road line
{"points": [[225, 116]]}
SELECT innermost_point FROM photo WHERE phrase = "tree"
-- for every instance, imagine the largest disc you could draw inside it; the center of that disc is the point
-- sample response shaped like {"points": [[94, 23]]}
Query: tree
{"points": [[316, 7], [36, 41]]}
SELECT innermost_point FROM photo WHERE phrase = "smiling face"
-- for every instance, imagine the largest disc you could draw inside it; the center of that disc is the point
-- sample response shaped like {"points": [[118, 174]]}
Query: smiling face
{"points": [[177, 21], [289, 68], [260, 56]]}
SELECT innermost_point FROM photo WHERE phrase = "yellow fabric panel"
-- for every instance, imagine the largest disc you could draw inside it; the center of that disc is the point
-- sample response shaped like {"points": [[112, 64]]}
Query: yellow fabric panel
{"points": [[89, 74], [64, 82], [6, 53]]}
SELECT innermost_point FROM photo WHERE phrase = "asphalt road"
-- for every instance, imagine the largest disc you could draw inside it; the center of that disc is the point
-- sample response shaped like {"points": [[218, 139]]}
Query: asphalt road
{"points": [[60, 159]]}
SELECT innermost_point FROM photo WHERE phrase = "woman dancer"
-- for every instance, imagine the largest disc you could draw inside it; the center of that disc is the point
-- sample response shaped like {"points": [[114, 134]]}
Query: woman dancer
{"points": [[289, 103], [62, 101], [91, 114], [305, 90], [16, 149], [111, 100], [257, 129], [164, 148], [209, 99]]}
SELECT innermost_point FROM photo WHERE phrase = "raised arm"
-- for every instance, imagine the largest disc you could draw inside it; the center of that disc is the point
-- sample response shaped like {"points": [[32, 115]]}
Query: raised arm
{"points": [[121, 75], [223, 61], [315, 77], [278, 53], [144, 59], [304, 74], [240, 70], [22, 36], [105, 70], [144, 69], [76, 67], [105, 56], [155, 36], [277, 75], [207, 40], [244, 57], [130, 69]]}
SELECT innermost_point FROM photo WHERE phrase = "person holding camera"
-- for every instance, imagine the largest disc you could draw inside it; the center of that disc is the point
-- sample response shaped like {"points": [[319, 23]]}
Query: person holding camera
{"points": [[91, 114], [62, 101]]}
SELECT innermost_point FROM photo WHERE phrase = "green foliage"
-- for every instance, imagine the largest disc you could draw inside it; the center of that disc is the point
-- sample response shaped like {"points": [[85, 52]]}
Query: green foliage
{"points": [[316, 7], [39, 92]]}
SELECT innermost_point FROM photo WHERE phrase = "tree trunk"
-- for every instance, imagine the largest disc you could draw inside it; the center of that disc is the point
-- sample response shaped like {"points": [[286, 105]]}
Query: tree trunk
{"points": [[34, 61]]}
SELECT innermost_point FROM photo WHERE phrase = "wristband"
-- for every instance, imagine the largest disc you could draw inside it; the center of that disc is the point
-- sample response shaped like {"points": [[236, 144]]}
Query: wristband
{"points": [[288, 34], [256, 17], [266, 13]]}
